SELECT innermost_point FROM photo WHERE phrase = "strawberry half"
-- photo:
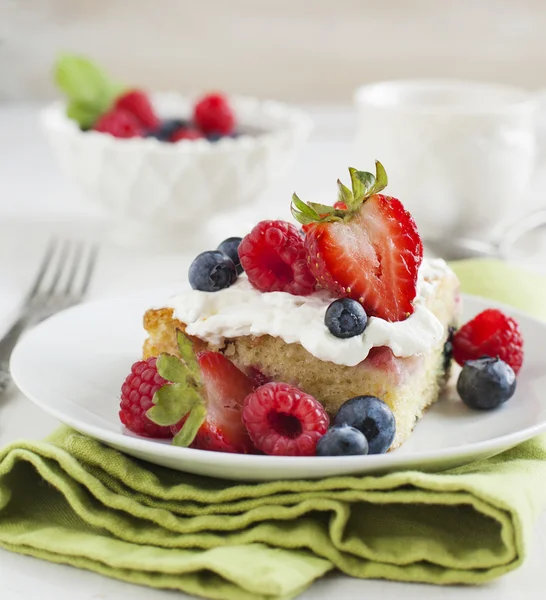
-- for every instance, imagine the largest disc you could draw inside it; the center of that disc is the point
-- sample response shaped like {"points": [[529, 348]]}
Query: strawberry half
{"points": [[201, 400], [369, 251], [225, 389]]}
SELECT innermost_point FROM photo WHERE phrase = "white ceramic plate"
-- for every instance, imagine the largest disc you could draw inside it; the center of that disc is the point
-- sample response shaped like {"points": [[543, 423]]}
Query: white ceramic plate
{"points": [[73, 364]]}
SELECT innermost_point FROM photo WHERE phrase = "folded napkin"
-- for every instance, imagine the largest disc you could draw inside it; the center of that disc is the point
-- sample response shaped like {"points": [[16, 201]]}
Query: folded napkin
{"points": [[72, 500]]}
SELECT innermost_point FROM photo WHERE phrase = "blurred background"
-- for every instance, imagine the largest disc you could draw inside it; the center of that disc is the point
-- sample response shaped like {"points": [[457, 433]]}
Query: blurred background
{"points": [[295, 50], [310, 55]]}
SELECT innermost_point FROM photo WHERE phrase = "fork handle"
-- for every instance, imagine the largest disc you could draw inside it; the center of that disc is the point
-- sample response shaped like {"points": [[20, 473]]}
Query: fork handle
{"points": [[7, 344]]}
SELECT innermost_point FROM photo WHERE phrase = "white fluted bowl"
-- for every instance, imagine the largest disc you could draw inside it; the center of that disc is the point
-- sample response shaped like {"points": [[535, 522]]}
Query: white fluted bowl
{"points": [[143, 182]]}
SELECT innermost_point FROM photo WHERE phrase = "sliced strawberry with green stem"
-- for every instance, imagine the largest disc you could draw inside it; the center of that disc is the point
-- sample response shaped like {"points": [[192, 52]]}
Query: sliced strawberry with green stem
{"points": [[203, 402], [226, 388], [369, 251]]}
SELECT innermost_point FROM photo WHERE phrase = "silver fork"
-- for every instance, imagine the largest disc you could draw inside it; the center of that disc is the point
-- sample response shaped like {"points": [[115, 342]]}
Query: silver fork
{"points": [[62, 280]]}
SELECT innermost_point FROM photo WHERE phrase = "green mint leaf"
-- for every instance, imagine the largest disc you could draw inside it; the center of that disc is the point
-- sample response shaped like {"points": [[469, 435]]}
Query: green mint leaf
{"points": [[185, 347], [84, 114], [172, 402], [81, 79], [191, 426], [171, 368], [89, 90]]}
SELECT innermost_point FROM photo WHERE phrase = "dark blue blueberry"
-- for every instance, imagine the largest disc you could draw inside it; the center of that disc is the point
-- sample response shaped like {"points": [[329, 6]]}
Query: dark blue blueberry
{"points": [[372, 417], [342, 441], [230, 248], [166, 128], [486, 383], [214, 137], [448, 349], [345, 318], [212, 271]]}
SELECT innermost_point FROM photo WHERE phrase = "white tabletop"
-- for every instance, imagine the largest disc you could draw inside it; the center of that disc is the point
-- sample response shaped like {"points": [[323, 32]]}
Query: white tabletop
{"points": [[35, 201]]}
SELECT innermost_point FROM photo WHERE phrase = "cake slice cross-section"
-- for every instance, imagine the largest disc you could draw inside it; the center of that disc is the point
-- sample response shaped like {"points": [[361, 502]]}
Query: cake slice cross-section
{"points": [[277, 336]]}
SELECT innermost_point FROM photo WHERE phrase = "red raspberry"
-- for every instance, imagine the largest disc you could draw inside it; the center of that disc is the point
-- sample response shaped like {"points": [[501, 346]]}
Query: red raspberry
{"points": [[136, 399], [491, 333], [138, 104], [213, 114], [185, 133], [119, 123], [284, 421], [274, 258]]}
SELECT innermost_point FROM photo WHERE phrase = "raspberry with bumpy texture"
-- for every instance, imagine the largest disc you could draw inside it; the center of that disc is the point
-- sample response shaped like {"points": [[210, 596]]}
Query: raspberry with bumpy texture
{"points": [[136, 399], [274, 258], [138, 104], [284, 421], [214, 115], [491, 333], [119, 123]]}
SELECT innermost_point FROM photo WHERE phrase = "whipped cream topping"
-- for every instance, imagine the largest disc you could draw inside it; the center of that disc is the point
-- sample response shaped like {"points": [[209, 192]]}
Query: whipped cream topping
{"points": [[241, 310]]}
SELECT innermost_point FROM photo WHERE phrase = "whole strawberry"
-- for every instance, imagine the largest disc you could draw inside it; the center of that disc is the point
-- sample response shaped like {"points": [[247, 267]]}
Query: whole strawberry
{"points": [[369, 251]]}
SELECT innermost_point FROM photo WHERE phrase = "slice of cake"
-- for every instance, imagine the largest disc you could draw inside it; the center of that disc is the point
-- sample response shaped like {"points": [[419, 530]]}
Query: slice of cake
{"points": [[277, 336], [343, 309]]}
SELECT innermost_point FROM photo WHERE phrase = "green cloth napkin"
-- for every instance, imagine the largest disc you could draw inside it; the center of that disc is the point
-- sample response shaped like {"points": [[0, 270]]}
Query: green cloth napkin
{"points": [[71, 500]]}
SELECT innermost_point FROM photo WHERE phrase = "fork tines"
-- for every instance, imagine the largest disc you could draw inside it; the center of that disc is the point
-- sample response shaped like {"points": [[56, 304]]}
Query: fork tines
{"points": [[64, 274]]}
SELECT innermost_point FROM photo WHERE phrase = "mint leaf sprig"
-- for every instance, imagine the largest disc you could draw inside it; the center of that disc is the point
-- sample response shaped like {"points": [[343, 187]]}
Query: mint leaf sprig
{"points": [[89, 90]]}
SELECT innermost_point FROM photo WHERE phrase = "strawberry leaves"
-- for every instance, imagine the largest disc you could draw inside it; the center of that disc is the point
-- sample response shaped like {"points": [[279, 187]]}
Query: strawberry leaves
{"points": [[364, 185], [344, 195], [183, 396], [172, 402]]}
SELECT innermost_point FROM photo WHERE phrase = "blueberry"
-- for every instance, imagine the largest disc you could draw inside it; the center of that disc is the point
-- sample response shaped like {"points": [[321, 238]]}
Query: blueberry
{"points": [[448, 348], [166, 128], [342, 441], [230, 248], [372, 417], [212, 271], [214, 137], [486, 383], [345, 318]]}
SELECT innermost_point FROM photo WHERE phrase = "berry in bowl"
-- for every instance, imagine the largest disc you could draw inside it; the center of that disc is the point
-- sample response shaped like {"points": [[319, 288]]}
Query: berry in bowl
{"points": [[157, 163]]}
